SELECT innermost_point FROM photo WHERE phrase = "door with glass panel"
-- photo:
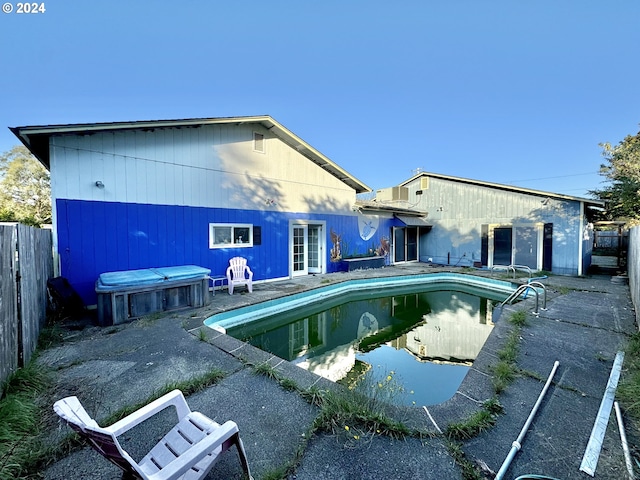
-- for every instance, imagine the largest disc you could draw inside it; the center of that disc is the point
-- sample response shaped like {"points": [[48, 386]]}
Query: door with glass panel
{"points": [[314, 245], [299, 247], [307, 245], [518, 245]]}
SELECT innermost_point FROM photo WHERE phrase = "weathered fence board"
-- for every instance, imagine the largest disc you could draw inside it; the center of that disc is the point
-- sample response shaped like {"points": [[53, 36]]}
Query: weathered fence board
{"points": [[26, 263], [8, 303], [633, 267], [35, 265]]}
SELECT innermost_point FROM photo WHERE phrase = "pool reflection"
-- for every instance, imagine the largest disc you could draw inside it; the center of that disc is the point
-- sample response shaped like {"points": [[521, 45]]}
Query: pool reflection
{"points": [[428, 339]]}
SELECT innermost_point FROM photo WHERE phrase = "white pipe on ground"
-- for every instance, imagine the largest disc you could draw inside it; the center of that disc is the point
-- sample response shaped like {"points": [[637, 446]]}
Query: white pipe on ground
{"points": [[625, 445], [517, 445]]}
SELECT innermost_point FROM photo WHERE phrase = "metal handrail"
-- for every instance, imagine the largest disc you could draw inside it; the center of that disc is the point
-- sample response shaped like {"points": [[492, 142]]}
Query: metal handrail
{"points": [[524, 288], [505, 267], [513, 268], [521, 267]]}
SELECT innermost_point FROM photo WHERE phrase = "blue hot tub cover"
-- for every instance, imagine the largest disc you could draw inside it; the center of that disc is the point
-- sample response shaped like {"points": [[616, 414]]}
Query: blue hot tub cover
{"points": [[112, 281]]}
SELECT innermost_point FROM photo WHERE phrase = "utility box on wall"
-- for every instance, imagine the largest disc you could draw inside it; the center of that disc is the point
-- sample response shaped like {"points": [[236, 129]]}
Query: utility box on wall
{"points": [[391, 194]]}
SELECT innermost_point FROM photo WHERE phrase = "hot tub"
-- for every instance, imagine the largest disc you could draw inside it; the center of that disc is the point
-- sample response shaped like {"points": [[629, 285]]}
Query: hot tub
{"points": [[130, 294]]}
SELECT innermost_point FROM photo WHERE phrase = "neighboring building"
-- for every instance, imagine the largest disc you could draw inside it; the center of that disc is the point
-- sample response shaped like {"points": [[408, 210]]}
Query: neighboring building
{"points": [[475, 223], [132, 195]]}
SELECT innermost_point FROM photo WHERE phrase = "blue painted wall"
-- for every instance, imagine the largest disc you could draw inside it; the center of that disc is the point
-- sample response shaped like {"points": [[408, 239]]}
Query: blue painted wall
{"points": [[96, 237]]}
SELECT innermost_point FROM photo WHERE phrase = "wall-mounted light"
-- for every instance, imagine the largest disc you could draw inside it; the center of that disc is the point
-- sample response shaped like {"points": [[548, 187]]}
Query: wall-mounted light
{"points": [[99, 184]]}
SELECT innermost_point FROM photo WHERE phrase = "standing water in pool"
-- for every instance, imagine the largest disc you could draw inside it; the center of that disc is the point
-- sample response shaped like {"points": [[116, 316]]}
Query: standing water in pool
{"points": [[425, 340]]}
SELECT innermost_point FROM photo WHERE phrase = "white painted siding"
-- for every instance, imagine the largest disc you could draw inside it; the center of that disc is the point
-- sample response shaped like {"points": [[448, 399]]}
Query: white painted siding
{"points": [[457, 211], [209, 166]]}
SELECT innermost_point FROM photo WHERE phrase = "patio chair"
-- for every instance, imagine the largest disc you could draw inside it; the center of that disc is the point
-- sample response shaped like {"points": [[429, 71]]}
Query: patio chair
{"points": [[239, 273], [188, 451]]}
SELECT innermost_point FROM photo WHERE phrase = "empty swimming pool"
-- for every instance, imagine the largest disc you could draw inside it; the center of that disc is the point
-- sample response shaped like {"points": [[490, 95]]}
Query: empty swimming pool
{"points": [[425, 332]]}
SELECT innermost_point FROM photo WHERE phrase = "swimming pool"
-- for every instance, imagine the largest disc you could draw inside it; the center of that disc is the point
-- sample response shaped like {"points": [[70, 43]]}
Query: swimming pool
{"points": [[425, 330]]}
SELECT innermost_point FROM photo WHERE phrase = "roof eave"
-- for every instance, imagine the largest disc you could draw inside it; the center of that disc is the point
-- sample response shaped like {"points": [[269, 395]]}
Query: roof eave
{"points": [[587, 201]]}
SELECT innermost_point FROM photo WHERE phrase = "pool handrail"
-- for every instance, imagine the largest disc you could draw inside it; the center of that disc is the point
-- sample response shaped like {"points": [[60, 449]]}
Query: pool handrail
{"points": [[522, 289], [504, 267], [522, 267]]}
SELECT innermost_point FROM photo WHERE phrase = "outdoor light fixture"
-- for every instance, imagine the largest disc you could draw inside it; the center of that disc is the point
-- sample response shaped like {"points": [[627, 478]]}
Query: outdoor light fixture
{"points": [[99, 184]]}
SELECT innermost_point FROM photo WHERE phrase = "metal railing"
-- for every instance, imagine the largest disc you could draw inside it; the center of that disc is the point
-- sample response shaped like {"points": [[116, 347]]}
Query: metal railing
{"points": [[523, 289], [513, 268]]}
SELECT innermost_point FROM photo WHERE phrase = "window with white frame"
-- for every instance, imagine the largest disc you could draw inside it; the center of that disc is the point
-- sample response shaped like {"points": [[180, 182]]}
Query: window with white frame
{"points": [[226, 235]]}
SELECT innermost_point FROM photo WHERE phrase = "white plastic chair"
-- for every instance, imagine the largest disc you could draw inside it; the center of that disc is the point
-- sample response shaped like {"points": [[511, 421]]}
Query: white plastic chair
{"points": [[188, 451], [239, 273]]}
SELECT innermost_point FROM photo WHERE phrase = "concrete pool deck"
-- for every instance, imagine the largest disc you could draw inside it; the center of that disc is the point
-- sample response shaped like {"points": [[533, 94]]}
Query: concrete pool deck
{"points": [[587, 321]]}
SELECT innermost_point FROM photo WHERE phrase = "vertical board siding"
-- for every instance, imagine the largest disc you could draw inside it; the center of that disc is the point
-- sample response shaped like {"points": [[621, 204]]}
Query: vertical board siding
{"points": [[209, 166], [458, 210], [134, 236], [162, 188]]}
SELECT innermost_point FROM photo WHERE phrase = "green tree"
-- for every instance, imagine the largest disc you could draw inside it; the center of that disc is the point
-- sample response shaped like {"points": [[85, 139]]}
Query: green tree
{"points": [[622, 171], [25, 190]]}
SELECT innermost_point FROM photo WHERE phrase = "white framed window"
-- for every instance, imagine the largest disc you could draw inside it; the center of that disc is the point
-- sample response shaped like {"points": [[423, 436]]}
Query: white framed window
{"points": [[258, 142], [230, 235]]}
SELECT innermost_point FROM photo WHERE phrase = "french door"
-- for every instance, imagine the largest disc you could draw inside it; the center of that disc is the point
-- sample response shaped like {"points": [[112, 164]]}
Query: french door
{"points": [[306, 248]]}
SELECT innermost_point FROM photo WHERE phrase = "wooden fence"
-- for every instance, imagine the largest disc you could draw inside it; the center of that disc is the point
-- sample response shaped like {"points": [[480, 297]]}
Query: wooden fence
{"points": [[26, 263], [633, 267]]}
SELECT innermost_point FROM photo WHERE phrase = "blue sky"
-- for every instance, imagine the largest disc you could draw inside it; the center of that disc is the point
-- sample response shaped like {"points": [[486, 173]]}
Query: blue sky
{"points": [[507, 91]]}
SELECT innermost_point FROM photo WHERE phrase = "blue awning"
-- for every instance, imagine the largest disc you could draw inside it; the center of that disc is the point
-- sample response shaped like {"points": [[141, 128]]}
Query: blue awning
{"points": [[414, 221]]}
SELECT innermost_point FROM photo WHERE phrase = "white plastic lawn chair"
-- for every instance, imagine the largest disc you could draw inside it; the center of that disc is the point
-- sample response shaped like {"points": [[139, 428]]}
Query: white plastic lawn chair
{"points": [[239, 273], [188, 451]]}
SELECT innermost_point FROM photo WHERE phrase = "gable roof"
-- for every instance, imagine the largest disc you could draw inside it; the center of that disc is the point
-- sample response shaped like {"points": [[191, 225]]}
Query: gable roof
{"points": [[36, 138], [510, 188]]}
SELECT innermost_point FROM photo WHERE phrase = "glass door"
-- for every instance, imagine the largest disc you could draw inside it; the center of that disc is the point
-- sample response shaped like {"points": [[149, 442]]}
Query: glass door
{"points": [[502, 245], [315, 249], [299, 250], [412, 243], [526, 251], [399, 254]]}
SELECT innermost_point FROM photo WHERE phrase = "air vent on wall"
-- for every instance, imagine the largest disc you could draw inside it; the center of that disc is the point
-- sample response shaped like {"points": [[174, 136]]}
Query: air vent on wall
{"points": [[258, 142]]}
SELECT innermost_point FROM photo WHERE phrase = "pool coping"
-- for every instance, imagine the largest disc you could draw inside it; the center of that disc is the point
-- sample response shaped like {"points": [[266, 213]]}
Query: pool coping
{"points": [[223, 321]]}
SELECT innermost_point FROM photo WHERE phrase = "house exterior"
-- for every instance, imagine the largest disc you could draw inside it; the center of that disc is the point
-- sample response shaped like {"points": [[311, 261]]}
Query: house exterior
{"points": [[475, 223], [134, 195]]}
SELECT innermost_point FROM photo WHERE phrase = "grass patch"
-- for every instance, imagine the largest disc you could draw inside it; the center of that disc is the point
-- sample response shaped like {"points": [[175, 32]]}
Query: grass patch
{"points": [[267, 370], [361, 411], [518, 318], [50, 336], [150, 319], [469, 471], [289, 384], [21, 420], [506, 370], [480, 421], [629, 388], [313, 395]]}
